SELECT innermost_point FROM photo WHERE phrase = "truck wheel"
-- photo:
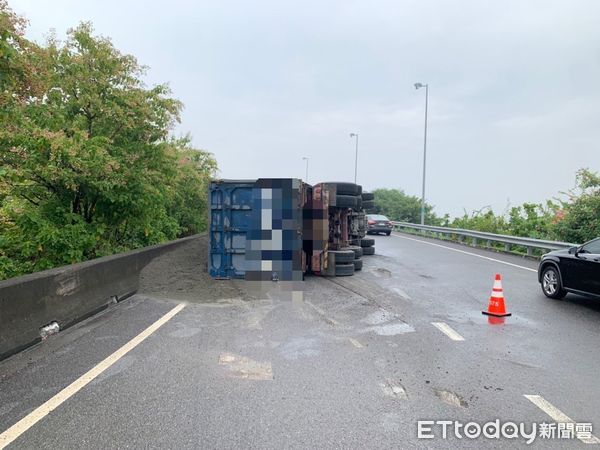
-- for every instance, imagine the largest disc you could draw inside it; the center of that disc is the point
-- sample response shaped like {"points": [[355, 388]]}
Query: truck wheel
{"points": [[368, 196], [358, 251], [344, 270], [368, 204], [367, 251], [367, 242], [346, 201], [346, 188], [341, 256], [358, 263]]}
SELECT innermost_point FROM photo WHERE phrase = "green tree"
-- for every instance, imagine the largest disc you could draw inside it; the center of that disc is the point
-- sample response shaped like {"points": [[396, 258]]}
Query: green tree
{"points": [[532, 220], [189, 201], [88, 166], [575, 219], [481, 220], [579, 219], [397, 205], [14, 51]]}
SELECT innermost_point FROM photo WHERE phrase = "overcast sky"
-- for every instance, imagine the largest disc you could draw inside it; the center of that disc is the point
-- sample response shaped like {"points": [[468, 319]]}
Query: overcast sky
{"points": [[514, 99]]}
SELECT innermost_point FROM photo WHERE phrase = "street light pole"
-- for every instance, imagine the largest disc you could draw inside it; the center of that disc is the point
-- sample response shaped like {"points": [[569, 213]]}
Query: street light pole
{"points": [[355, 156], [306, 159], [426, 86]]}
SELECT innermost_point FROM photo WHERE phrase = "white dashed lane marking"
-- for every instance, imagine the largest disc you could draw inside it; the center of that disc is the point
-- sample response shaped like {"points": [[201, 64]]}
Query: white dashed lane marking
{"points": [[320, 312], [356, 343], [448, 331], [560, 417], [401, 293]]}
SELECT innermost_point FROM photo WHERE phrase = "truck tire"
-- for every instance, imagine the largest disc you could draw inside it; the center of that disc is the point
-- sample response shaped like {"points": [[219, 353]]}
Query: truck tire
{"points": [[344, 270], [358, 251], [367, 251], [344, 188], [367, 242], [342, 256], [368, 204], [368, 196], [358, 263], [346, 201]]}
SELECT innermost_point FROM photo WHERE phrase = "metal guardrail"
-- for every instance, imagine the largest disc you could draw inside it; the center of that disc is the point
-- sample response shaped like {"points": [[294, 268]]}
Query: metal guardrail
{"points": [[477, 236]]}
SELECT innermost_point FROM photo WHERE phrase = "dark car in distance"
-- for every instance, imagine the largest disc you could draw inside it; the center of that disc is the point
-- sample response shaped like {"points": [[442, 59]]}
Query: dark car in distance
{"points": [[376, 223], [575, 270]]}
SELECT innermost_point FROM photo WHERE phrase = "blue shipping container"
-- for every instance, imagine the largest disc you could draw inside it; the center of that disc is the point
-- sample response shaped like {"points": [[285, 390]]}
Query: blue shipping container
{"points": [[256, 229], [230, 221]]}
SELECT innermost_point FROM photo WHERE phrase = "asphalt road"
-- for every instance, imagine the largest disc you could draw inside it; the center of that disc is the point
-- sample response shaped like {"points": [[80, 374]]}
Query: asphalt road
{"points": [[355, 363]]}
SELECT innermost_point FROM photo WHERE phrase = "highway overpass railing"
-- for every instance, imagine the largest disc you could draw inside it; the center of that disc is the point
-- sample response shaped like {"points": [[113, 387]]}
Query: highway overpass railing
{"points": [[477, 238]]}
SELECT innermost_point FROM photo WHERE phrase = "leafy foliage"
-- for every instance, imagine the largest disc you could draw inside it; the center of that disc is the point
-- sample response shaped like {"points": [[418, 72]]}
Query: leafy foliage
{"points": [[579, 219], [87, 164], [396, 205], [575, 219], [528, 220]]}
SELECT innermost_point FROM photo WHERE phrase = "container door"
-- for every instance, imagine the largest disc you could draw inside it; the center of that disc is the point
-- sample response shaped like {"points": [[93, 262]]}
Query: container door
{"points": [[231, 210]]}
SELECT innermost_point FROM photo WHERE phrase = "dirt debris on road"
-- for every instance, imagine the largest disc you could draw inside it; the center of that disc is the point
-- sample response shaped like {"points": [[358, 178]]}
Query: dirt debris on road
{"points": [[181, 274]]}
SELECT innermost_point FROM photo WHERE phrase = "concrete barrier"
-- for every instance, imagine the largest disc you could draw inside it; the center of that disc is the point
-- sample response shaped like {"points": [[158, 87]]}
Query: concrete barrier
{"points": [[69, 294]]}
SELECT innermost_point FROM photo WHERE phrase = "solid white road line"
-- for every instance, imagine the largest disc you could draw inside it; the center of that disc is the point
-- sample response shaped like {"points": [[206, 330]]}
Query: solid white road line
{"points": [[448, 331], [466, 253], [355, 343], [558, 415], [42, 411]]}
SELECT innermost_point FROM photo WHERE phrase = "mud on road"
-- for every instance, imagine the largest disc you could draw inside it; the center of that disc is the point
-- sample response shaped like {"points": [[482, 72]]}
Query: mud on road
{"points": [[181, 274]]}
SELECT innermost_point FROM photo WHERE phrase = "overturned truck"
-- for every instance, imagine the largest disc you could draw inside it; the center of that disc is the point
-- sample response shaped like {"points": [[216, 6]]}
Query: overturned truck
{"points": [[283, 228]]}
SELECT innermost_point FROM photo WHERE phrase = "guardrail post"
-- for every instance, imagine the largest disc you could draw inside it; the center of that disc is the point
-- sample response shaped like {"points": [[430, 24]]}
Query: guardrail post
{"points": [[507, 247], [488, 243], [474, 243], [529, 251]]}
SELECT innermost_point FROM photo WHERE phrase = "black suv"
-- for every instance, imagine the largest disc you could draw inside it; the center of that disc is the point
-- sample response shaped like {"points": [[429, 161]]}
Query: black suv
{"points": [[574, 270]]}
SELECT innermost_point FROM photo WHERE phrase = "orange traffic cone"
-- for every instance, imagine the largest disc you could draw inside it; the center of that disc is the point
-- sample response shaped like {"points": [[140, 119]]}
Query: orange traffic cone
{"points": [[496, 306]]}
